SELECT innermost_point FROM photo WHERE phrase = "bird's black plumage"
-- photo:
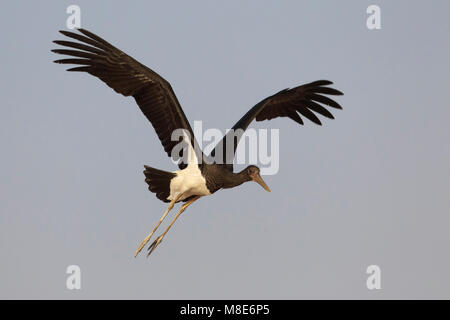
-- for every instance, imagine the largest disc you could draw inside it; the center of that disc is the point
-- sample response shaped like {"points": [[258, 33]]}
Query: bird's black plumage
{"points": [[126, 76], [158, 182], [303, 100], [158, 102]]}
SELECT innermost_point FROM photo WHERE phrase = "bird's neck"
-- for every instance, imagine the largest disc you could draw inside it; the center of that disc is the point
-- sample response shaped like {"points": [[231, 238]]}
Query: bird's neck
{"points": [[235, 179]]}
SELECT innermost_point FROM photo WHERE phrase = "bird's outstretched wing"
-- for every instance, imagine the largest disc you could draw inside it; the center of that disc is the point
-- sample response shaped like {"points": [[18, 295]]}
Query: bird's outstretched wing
{"points": [[126, 76], [295, 103]]}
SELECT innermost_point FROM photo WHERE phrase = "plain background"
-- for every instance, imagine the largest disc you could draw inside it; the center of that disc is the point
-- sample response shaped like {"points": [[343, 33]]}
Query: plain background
{"points": [[370, 187]]}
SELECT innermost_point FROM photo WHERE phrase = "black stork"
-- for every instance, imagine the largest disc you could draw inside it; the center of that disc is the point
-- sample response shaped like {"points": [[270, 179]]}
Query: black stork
{"points": [[198, 176]]}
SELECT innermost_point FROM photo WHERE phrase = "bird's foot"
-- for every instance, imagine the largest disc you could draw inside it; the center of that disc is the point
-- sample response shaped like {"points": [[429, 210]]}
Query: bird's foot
{"points": [[154, 245], [143, 243]]}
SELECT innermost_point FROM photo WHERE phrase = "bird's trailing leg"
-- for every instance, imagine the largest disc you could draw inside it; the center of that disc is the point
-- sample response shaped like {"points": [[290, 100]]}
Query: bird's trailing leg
{"points": [[147, 239], [159, 239]]}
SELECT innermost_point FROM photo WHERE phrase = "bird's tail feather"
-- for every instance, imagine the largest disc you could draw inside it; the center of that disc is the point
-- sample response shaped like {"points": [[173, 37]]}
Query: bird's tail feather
{"points": [[158, 182]]}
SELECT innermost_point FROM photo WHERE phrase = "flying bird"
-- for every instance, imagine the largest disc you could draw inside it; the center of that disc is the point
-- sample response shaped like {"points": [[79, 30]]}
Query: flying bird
{"points": [[199, 175]]}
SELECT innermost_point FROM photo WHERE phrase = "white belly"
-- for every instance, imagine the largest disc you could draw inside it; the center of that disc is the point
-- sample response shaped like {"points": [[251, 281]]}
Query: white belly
{"points": [[188, 182]]}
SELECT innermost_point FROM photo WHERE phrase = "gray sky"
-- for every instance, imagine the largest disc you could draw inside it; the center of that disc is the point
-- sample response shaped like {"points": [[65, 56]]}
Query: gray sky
{"points": [[370, 187]]}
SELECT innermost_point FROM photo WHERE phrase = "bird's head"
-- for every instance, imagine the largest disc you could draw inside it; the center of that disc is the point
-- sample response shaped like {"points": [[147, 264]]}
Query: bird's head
{"points": [[253, 175]]}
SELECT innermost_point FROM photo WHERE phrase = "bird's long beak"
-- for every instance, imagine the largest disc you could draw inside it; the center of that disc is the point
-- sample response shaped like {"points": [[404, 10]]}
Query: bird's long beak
{"points": [[257, 178]]}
